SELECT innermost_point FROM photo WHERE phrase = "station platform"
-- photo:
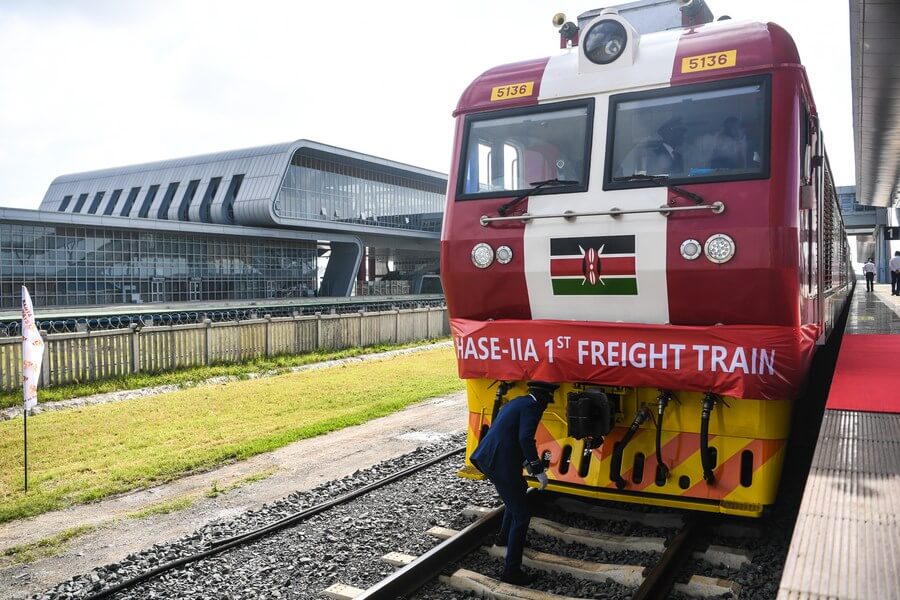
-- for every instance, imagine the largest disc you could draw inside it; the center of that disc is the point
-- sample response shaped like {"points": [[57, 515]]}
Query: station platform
{"points": [[846, 541]]}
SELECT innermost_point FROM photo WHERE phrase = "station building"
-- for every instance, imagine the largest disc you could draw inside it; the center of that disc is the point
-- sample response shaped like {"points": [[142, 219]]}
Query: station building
{"points": [[289, 220], [871, 227]]}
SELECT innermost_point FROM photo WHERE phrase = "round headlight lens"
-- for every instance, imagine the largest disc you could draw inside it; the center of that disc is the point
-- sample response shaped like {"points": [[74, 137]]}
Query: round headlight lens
{"points": [[605, 41], [719, 248], [482, 255], [504, 255], [690, 249]]}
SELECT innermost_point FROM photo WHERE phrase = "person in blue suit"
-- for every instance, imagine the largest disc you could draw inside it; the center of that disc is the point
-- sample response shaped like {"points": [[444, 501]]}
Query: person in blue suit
{"points": [[507, 447]]}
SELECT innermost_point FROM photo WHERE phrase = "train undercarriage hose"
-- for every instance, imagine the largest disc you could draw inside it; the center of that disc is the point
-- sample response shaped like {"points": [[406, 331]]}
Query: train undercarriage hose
{"points": [[502, 389], [615, 466], [662, 471], [706, 457]]}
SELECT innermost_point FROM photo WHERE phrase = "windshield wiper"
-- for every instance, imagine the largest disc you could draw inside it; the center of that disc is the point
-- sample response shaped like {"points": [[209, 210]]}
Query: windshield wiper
{"points": [[537, 186], [662, 181]]}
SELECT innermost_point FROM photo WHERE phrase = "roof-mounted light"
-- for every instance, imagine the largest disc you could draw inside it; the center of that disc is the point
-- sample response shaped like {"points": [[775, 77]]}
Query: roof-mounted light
{"points": [[605, 41]]}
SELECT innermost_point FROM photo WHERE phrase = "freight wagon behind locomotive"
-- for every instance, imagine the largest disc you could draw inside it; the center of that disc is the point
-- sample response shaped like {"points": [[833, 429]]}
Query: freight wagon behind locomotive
{"points": [[649, 219]]}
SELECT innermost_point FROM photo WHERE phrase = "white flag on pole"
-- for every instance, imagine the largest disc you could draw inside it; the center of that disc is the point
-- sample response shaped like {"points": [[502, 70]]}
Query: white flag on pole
{"points": [[32, 351]]}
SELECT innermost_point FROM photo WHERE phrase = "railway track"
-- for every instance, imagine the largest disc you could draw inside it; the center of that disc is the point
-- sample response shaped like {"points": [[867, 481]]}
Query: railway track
{"points": [[657, 580], [580, 550], [227, 543]]}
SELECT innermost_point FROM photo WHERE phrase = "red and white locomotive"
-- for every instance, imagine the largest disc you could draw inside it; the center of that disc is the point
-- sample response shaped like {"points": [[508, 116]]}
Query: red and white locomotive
{"points": [[649, 220]]}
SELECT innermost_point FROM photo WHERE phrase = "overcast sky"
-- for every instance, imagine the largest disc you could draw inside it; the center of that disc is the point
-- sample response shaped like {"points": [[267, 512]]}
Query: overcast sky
{"points": [[100, 83]]}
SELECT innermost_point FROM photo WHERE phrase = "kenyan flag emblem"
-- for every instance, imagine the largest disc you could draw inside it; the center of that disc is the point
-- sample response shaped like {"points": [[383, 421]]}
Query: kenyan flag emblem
{"points": [[593, 266]]}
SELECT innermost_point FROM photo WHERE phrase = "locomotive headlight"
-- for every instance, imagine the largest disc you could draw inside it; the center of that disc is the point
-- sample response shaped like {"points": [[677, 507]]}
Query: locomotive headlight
{"points": [[604, 42], [504, 255], [719, 248], [482, 255], [690, 249]]}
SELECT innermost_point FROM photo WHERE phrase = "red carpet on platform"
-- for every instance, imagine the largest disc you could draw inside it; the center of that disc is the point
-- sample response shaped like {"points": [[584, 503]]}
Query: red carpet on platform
{"points": [[867, 375]]}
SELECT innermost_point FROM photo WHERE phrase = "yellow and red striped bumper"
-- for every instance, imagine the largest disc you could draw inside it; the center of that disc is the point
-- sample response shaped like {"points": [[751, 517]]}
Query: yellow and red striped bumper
{"points": [[749, 438]]}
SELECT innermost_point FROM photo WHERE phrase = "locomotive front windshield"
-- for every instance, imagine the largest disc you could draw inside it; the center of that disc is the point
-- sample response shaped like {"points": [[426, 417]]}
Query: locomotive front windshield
{"points": [[508, 153], [711, 133]]}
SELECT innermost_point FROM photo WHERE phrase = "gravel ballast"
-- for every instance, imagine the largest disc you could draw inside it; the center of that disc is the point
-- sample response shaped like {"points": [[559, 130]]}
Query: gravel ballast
{"points": [[344, 544]]}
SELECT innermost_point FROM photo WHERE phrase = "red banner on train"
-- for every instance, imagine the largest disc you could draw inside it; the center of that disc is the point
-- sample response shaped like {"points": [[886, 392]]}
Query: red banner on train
{"points": [[746, 361]]}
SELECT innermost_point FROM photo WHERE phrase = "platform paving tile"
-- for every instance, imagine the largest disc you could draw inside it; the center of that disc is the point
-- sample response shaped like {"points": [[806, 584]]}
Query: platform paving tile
{"points": [[846, 542], [874, 312]]}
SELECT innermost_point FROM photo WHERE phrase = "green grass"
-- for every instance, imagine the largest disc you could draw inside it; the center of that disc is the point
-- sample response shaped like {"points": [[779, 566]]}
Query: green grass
{"points": [[192, 376], [44, 548], [88, 453], [164, 508], [216, 491], [55, 545]]}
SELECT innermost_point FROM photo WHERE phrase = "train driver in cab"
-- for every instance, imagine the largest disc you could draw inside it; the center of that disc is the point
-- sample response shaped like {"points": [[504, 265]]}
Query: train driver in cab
{"points": [[658, 155], [501, 454]]}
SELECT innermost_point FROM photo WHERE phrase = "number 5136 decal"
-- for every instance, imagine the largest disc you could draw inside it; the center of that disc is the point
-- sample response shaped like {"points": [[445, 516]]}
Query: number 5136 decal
{"points": [[707, 62], [511, 91]]}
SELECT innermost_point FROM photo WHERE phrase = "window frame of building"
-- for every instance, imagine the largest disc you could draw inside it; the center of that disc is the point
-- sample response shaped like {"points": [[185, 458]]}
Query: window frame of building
{"points": [[64, 204], [80, 203], [111, 204], [148, 201], [95, 203], [163, 212], [212, 188], [234, 187], [184, 209], [130, 200]]}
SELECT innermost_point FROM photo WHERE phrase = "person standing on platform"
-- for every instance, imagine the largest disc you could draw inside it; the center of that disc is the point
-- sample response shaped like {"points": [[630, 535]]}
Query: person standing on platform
{"points": [[869, 272], [507, 447], [895, 274]]}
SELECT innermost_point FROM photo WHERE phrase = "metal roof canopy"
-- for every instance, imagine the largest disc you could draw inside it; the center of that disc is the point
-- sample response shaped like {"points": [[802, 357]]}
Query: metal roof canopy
{"points": [[875, 66]]}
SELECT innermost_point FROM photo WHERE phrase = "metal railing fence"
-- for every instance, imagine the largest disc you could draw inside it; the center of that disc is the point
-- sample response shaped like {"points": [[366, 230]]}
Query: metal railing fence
{"points": [[94, 355]]}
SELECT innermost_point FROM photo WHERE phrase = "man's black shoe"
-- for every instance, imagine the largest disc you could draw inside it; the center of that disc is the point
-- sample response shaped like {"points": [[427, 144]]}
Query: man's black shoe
{"points": [[500, 540], [518, 577]]}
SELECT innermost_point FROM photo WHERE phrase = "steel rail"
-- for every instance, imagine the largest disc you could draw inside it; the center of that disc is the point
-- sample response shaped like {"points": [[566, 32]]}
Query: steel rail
{"points": [[660, 579], [429, 565], [717, 207], [238, 540]]}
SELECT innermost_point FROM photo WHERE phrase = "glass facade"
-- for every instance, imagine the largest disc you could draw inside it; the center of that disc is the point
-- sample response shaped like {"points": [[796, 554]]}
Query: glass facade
{"points": [[70, 265], [324, 190], [847, 197]]}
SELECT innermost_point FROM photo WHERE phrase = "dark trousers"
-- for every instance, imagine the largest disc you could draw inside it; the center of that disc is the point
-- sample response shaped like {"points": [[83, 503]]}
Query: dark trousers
{"points": [[895, 282], [870, 282], [515, 518]]}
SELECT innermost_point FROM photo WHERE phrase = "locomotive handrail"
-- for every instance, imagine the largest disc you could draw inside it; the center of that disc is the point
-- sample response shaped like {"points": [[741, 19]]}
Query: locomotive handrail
{"points": [[716, 207]]}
